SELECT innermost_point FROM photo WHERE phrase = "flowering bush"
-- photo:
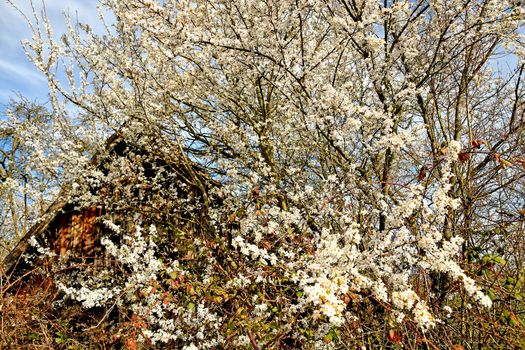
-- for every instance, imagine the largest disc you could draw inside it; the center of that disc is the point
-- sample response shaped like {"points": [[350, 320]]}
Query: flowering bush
{"points": [[327, 166]]}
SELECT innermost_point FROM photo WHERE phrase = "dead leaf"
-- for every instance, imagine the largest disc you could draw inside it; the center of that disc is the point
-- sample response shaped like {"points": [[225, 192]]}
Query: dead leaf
{"points": [[520, 161], [266, 245], [477, 143], [463, 156], [422, 173], [132, 344], [394, 337]]}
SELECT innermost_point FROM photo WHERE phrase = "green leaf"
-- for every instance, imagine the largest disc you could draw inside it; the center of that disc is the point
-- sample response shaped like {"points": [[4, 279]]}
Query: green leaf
{"points": [[33, 336], [499, 260], [492, 294]]}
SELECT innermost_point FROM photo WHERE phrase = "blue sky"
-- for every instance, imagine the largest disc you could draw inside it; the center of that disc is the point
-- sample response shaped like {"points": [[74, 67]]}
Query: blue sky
{"points": [[17, 74]]}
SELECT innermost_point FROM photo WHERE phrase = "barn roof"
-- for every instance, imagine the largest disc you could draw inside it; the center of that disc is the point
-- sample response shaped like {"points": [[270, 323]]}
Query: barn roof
{"points": [[15, 255]]}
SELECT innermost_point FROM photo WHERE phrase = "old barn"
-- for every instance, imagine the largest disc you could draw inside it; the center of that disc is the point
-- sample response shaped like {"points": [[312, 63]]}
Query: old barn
{"points": [[128, 181]]}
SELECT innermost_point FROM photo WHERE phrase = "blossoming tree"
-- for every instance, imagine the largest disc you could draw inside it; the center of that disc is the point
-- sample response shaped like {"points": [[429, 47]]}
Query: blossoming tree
{"points": [[364, 151]]}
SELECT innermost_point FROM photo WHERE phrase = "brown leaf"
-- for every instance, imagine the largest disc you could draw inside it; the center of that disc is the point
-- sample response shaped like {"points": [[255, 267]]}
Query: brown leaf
{"points": [[394, 337], [353, 296], [477, 143], [457, 347], [422, 173], [463, 156], [266, 245], [232, 218], [520, 161], [131, 343]]}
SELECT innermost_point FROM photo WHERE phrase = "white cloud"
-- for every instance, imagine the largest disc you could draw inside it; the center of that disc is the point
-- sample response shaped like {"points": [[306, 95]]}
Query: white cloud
{"points": [[16, 72], [23, 71]]}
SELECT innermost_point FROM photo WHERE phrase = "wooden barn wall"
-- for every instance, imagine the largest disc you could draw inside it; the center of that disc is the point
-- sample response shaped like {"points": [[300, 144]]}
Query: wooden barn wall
{"points": [[76, 233]]}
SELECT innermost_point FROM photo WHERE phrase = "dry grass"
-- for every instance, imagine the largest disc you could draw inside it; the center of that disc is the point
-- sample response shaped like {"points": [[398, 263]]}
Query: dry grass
{"points": [[33, 316]]}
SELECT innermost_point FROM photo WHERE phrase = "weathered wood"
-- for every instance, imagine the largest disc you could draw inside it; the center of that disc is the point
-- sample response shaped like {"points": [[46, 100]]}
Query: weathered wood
{"points": [[15, 255], [76, 233]]}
